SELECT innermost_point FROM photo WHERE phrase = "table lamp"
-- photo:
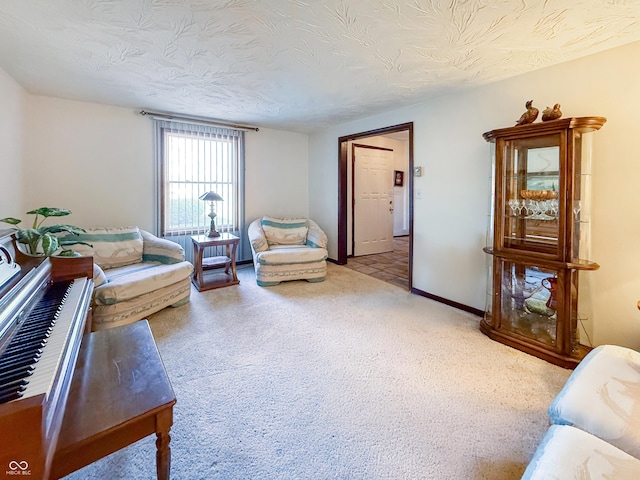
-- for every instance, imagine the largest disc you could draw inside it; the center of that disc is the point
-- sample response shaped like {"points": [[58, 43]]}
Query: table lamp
{"points": [[212, 197]]}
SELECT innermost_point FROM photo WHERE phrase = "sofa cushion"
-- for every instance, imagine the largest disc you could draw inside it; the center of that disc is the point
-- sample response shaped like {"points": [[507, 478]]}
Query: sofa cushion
{"points": [[602, 397], [111, 247], [290, 255], [131, 281], [569, 453], [285, 231]]}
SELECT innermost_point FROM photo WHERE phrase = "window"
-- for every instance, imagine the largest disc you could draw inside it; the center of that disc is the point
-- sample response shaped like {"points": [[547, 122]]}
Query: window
{"points": [[192, 160]]}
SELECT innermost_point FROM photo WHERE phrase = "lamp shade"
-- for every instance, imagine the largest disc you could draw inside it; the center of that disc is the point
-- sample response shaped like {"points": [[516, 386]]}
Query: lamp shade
{"points": [[211, 196]]}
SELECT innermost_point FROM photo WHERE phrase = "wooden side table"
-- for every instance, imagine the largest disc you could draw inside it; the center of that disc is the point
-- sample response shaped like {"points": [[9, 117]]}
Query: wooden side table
{"points": [[219, 278], [120, 393]]}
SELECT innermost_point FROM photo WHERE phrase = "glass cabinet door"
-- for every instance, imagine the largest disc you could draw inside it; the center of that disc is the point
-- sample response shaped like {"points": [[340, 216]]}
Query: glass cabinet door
{"points": [[531, 193], [529, 297]]}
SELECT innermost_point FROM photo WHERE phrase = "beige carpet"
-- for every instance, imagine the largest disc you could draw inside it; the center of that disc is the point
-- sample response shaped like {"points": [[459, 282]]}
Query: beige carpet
{"points": [[352, 378]]}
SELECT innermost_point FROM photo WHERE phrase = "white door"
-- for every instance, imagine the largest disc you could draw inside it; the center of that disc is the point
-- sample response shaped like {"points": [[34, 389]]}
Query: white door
{"points": [[373, 201]]}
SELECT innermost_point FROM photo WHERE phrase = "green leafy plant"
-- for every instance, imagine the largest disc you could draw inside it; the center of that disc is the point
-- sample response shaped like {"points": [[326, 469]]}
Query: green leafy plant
{"points": [[45, 237]]}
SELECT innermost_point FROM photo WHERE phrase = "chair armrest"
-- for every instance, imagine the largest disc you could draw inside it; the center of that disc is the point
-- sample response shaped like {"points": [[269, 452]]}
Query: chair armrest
{"points": [[99, 277], [156, 249], [316, 237], [256, 237]]}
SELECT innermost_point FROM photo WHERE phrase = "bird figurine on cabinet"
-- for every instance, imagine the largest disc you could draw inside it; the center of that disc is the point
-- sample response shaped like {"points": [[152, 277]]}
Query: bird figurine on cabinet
{"points": [[530, 115], [551, 113]]}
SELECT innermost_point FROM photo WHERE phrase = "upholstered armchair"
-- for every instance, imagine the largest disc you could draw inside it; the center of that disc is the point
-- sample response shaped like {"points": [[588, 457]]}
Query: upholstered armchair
{"points": [[135, 274], [287, 249]]}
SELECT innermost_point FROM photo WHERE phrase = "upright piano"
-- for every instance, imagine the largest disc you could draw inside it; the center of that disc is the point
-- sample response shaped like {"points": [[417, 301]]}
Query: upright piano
{"points": [[44, 313]]}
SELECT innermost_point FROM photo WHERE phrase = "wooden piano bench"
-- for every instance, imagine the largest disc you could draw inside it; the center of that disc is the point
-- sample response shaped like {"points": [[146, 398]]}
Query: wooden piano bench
{"points": [[120, 393]]}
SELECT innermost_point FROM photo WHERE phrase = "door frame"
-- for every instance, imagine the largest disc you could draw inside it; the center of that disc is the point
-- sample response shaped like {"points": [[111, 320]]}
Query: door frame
{"points": [[342, 188], [353, 187]]}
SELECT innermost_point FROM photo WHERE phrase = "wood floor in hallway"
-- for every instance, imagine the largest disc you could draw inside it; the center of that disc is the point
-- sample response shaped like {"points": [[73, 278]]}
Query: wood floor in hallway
{"points": [[392, 267]]}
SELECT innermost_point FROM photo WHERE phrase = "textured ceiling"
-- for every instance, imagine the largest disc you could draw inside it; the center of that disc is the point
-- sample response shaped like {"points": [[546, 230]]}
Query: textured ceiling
{"points": [[293, 64]]}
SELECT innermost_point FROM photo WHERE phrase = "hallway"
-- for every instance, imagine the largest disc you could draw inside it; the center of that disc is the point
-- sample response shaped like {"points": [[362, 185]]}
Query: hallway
{"points": [[391, 267]]}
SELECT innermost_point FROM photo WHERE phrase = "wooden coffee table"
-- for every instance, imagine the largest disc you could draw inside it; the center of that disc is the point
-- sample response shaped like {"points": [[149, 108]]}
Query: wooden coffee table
{"points": [[120, 393]]}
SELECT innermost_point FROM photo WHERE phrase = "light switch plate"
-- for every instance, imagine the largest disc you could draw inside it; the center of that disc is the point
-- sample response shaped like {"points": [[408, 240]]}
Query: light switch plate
{"points": [[417, 171]]}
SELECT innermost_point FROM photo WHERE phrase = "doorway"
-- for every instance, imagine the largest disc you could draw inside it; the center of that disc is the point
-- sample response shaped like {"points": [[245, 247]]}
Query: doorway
{"points": [[399, 197]]}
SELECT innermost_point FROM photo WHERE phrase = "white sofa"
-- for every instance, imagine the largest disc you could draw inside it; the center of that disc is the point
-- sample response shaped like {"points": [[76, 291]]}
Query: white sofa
{"points": [[287, 249], [595, 418], [135, 274], [567, 453]]}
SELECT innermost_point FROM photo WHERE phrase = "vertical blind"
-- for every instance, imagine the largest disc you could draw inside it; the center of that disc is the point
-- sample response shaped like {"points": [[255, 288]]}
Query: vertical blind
{"points": [[191, 160]]}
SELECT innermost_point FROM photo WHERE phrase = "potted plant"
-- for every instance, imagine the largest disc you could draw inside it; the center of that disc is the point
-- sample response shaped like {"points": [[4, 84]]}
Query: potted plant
{"points": [[39, 240]]}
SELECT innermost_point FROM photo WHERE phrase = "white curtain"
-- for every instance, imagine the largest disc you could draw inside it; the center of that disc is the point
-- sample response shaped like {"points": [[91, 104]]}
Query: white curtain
{"points": [[192, 159]]}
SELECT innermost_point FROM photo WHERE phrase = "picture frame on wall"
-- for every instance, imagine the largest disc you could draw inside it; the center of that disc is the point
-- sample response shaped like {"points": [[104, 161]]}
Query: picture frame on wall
{"points": [[398, 178]]}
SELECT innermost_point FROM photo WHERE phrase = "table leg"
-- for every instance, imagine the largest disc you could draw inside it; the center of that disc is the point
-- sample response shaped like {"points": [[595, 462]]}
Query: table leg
{"points": [[195, 262], [233, 261], [197, 258], [163, 451]]}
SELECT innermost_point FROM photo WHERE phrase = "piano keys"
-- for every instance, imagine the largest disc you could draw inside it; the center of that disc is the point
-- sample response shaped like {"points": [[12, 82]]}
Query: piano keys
{"points": [[44, 311], [18, 360]]}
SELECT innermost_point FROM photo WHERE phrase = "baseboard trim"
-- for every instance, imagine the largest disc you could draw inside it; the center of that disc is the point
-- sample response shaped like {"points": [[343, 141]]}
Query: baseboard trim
{"points": [[431, 296], [446, 301]]}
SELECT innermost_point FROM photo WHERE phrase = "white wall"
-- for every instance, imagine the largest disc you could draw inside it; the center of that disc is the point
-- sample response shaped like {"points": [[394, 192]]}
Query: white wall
{"points": [[12, 131], [448, 226], [277, 174], [94, 160], [450, 220], [97, 161]]}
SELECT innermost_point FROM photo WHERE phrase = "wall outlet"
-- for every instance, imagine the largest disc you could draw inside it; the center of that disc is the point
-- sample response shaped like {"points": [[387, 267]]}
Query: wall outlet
{"points": [[418, 192]]}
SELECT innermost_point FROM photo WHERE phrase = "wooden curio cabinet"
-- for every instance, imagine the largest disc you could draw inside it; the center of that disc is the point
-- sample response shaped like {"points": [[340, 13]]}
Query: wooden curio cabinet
{"points": [[538, 236]]}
